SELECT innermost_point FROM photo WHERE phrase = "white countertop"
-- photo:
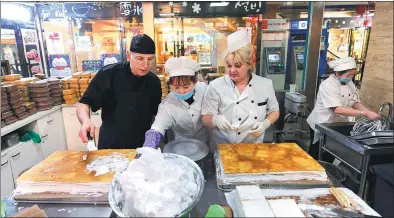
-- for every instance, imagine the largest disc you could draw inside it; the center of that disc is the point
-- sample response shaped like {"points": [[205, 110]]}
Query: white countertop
{"points": [[20, 123]]}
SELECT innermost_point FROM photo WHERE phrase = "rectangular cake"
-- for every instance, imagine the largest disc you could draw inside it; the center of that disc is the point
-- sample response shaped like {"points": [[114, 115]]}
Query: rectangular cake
{"points": [[74, 172], [266, 158]]}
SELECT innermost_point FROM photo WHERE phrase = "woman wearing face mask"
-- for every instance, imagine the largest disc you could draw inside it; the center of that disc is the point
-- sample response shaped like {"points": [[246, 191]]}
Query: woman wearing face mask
{"points": [[239, 106], [181, 109], [337, 101]]}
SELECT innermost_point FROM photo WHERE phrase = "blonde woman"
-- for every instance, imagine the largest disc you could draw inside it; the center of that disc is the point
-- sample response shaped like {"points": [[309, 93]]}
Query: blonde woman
{"points": [[239, 106]]}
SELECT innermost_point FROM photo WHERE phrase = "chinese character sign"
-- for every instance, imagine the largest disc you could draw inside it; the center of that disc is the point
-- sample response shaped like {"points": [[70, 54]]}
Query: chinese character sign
{"points": [[247, 6], [130, 9]]}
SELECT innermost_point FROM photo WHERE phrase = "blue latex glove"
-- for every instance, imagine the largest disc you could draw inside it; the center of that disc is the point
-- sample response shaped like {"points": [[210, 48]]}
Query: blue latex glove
{"points": [[152, 140]]}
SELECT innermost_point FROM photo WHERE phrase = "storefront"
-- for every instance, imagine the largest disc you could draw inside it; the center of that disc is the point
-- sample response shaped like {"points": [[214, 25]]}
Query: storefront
{"points": [[19, 39], [199, 30], [83, 37]]}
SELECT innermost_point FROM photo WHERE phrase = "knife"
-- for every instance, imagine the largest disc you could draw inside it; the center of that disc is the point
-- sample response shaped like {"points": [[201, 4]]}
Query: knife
{"points": [[91, 143]]}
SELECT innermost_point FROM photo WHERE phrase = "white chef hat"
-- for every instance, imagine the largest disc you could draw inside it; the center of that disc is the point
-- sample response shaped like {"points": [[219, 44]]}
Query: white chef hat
{"points": [[238, 40], [182, 66], [343, 64]]}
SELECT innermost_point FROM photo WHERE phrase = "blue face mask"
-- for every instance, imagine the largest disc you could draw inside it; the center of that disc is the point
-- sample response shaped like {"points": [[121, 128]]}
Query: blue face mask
{"points": [[185, 96], [345, 80]]}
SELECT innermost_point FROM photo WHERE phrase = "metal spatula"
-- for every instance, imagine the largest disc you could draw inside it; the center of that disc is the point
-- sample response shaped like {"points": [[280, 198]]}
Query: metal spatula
{"points": [[91, 143]]}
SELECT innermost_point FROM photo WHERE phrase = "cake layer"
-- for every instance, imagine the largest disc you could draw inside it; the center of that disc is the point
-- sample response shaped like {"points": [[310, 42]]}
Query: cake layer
{"points": [[266, 158], [72, 167]]}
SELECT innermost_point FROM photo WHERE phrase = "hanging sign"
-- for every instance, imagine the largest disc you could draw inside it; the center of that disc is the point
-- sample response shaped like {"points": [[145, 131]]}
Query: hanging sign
{"points": [[32, 55], [275, 24], [202, 8], [59, 65], [107, 59], [8, 36], [54, 42]]}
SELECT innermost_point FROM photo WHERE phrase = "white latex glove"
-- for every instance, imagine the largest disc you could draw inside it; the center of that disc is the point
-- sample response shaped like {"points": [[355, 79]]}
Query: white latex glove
{"points": [[259, 128], [221, 122]]}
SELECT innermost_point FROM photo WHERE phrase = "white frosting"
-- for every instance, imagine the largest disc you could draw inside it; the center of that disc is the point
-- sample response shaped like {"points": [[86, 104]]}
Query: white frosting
{"points": [[156, 187], [115, 162]]}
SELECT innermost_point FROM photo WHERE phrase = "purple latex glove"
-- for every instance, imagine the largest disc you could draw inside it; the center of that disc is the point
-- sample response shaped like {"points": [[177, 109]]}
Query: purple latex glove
{"points": [[152, 140]]}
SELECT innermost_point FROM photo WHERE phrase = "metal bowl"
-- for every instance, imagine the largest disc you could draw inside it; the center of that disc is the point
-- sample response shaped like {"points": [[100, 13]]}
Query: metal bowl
{"points": [[190, 148], [115, 188]]}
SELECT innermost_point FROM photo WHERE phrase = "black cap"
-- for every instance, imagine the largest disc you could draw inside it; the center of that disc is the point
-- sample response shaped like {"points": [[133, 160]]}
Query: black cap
{"points": [[142, 44]]}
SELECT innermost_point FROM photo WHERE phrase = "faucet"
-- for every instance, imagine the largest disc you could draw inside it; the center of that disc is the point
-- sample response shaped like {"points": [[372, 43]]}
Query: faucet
{"points": [[390, 110]]}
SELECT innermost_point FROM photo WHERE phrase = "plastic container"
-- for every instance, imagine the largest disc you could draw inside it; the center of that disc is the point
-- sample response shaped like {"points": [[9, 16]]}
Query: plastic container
{"points": [[57, 90], [74, 86], [20, 110], [12, 77], [5, 107], [55, 103], [68, 92], [6, 115], [73, 81], [11, 139], [39, 90], [11, 120], [39, 84], [57, 94], [23, 115], [84, 81], [9, 88], [14, 96], [85, 75], [69, 97], [53, 81], [16, 104], [44, 108], [39, 95], [72, 101], [40, 76]]}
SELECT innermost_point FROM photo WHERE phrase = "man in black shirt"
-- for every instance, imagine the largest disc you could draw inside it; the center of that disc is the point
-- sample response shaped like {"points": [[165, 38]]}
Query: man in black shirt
{"points": [[129, 95]]}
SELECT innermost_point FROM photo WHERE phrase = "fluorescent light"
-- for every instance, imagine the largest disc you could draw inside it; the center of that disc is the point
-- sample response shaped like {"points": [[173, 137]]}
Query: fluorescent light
{"points": [[219, 4], [15, 12], [167, 14]]}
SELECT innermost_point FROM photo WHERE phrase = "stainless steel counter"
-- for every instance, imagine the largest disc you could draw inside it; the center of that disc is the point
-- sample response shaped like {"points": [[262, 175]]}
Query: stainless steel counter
{"points": [[335, 140], [211, 195]]}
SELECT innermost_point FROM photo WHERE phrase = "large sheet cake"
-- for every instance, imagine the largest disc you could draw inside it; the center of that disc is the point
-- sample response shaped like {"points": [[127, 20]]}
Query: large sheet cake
{"points": [[68, 172], [285, 162]]}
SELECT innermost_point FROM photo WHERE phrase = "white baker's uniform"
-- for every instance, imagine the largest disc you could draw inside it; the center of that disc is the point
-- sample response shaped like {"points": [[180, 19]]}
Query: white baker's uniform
{"points": [[332, 94], [242, 110], [182, 118]]}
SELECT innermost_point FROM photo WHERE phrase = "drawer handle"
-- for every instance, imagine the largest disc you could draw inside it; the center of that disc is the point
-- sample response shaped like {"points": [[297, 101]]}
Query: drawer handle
{"points": [[44, 136], [16, 154], [4, 163], [50, 121]]}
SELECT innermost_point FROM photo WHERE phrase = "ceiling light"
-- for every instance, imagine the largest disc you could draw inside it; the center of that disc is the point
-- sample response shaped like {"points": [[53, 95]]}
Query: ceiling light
{"points": [[219, 4], [167, 14]]}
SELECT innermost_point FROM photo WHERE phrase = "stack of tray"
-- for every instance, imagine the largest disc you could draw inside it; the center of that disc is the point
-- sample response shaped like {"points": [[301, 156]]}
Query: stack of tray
{"points": [[375, 138]]}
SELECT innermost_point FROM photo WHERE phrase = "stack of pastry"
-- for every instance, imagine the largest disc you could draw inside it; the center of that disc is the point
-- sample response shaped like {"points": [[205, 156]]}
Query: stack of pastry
{"points": [[70, 96], [164, 87], [23, 86], [73, 173], [39, 93], [56, 91], [74, 85], [15, 102], [30, 108], [65, 83], [7, 111], [11, 77]]}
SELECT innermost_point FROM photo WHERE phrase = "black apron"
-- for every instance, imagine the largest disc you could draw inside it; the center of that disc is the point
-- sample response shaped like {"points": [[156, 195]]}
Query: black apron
{"points": [[127, 118]]}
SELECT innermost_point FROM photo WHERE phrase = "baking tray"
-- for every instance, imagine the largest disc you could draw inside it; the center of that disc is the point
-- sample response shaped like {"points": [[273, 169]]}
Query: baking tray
{"points": [[377, 141], [229, 182], [386, 133]]}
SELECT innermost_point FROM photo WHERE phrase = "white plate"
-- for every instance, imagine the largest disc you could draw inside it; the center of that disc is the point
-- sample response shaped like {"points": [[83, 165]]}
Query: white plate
{"points": [[190, 148]]}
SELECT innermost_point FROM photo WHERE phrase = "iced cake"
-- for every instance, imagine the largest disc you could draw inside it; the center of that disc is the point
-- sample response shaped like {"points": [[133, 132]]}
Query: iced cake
{"points": [[263, 158], [74, 172]]}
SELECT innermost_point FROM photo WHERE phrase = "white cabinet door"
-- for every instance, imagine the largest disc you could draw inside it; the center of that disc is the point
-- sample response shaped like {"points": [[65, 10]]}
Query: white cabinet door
{"points": [[72, 127], [26, 155], [7, 180], [51, 129]]}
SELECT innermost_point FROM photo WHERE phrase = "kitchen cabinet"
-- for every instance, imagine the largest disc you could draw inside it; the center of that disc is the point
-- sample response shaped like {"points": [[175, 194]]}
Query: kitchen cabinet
{"points": [[52, 132], [24, 156], [7, 180], [72, 127]]}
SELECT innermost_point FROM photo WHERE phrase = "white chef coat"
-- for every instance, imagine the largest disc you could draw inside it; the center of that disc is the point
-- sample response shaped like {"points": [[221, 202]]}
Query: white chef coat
{"points": [[184, 119], [332, 94], [242, 110]]}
